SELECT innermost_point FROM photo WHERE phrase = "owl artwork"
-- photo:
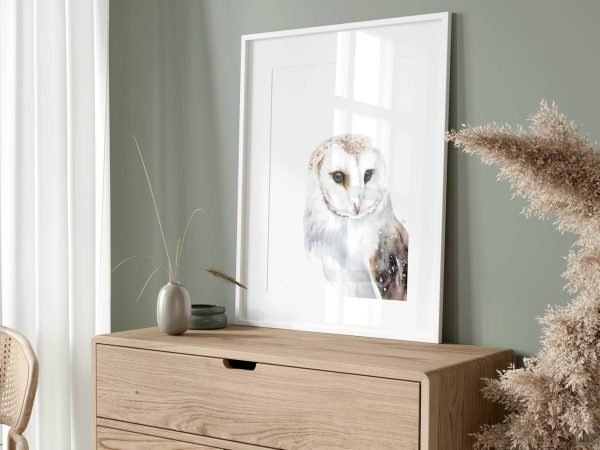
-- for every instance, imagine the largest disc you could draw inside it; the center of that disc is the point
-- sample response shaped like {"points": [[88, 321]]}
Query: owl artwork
{"points": [[350, 229]]}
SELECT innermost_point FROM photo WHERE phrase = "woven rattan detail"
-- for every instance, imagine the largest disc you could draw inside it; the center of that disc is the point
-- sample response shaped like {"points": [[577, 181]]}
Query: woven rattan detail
{"points": [[14, 374], [19, 372]]}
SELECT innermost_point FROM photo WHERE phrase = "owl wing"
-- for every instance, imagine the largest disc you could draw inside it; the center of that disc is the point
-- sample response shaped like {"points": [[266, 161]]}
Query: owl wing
{"points": [[389, 263]]}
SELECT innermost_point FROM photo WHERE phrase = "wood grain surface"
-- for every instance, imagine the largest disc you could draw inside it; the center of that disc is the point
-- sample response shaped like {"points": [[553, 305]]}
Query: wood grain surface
{"points": [[348, 354], [452, 405], [308, 390], [175, 435], [111, 439], [272, 406]]}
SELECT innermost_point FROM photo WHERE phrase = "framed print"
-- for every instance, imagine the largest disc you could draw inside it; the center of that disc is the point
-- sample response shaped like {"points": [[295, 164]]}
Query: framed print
{"points": [[342, 178]]}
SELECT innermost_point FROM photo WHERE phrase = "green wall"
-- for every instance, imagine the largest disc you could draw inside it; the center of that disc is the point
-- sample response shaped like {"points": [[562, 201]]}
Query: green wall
{"points": [[174, 74]]}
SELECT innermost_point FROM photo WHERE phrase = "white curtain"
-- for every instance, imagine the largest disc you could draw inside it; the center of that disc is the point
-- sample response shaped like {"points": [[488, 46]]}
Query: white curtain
{"points": [[54, 201]]}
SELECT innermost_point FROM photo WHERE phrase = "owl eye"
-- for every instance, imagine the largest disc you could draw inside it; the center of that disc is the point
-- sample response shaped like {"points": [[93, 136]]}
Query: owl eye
{"points": [[338, 176], [368, 175]]}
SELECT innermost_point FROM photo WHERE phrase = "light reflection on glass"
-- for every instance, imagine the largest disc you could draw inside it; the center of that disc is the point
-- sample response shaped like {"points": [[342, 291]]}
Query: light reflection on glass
{"points": [[366, 125], [363, 105], [367, 67]]}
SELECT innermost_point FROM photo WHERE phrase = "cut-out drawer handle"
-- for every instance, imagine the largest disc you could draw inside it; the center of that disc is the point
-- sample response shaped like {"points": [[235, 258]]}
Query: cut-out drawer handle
{"points": [[239, 364]]}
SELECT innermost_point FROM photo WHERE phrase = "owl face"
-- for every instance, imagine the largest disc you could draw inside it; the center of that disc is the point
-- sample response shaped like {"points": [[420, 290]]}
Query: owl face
{"points": [[352, 183]]}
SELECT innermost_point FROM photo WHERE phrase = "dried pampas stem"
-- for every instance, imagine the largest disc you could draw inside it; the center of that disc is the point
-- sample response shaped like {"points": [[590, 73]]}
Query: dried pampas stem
{"points": [[223, 276], [172, 269], [162, 231], [554, 400]]}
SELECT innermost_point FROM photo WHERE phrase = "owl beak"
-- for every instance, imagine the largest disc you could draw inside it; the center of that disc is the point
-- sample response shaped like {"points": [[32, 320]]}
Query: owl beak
{"points": [[356, 208]]}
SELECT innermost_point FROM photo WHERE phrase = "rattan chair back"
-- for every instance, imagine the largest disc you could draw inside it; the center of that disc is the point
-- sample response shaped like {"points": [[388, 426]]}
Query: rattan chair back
{"points": [[18, 380]]}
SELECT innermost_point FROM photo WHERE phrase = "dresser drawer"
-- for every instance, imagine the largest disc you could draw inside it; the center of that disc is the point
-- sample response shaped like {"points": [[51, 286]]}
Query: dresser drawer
{"points": [[111, 439], [272, 406]]}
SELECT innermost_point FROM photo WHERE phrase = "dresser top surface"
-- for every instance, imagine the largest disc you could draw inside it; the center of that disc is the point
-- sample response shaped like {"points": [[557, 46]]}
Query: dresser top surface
{"points": [[338, 353]]}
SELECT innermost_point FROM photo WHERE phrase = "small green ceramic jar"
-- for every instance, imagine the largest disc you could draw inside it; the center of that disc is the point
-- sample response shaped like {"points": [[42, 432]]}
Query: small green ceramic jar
{"points": [[208, 317]]}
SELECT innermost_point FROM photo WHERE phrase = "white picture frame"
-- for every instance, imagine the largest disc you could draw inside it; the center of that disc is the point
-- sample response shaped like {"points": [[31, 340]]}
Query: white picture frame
{"points": [[384, 79]]}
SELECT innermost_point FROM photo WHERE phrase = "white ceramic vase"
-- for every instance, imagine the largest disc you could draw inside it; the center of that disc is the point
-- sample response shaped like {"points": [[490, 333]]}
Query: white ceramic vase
{"points": [[173, 309]]}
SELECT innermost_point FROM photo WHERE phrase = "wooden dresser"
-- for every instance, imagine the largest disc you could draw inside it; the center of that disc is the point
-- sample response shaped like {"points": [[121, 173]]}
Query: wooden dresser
{"points": [[248, 388]]}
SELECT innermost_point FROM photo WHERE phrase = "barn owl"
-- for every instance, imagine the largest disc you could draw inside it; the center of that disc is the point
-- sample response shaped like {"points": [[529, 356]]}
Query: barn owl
{"points": [[349, 226]]}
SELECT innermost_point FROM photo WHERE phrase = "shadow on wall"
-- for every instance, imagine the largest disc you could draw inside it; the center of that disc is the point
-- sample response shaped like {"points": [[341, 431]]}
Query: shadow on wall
{"points": [[161, 92]]}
